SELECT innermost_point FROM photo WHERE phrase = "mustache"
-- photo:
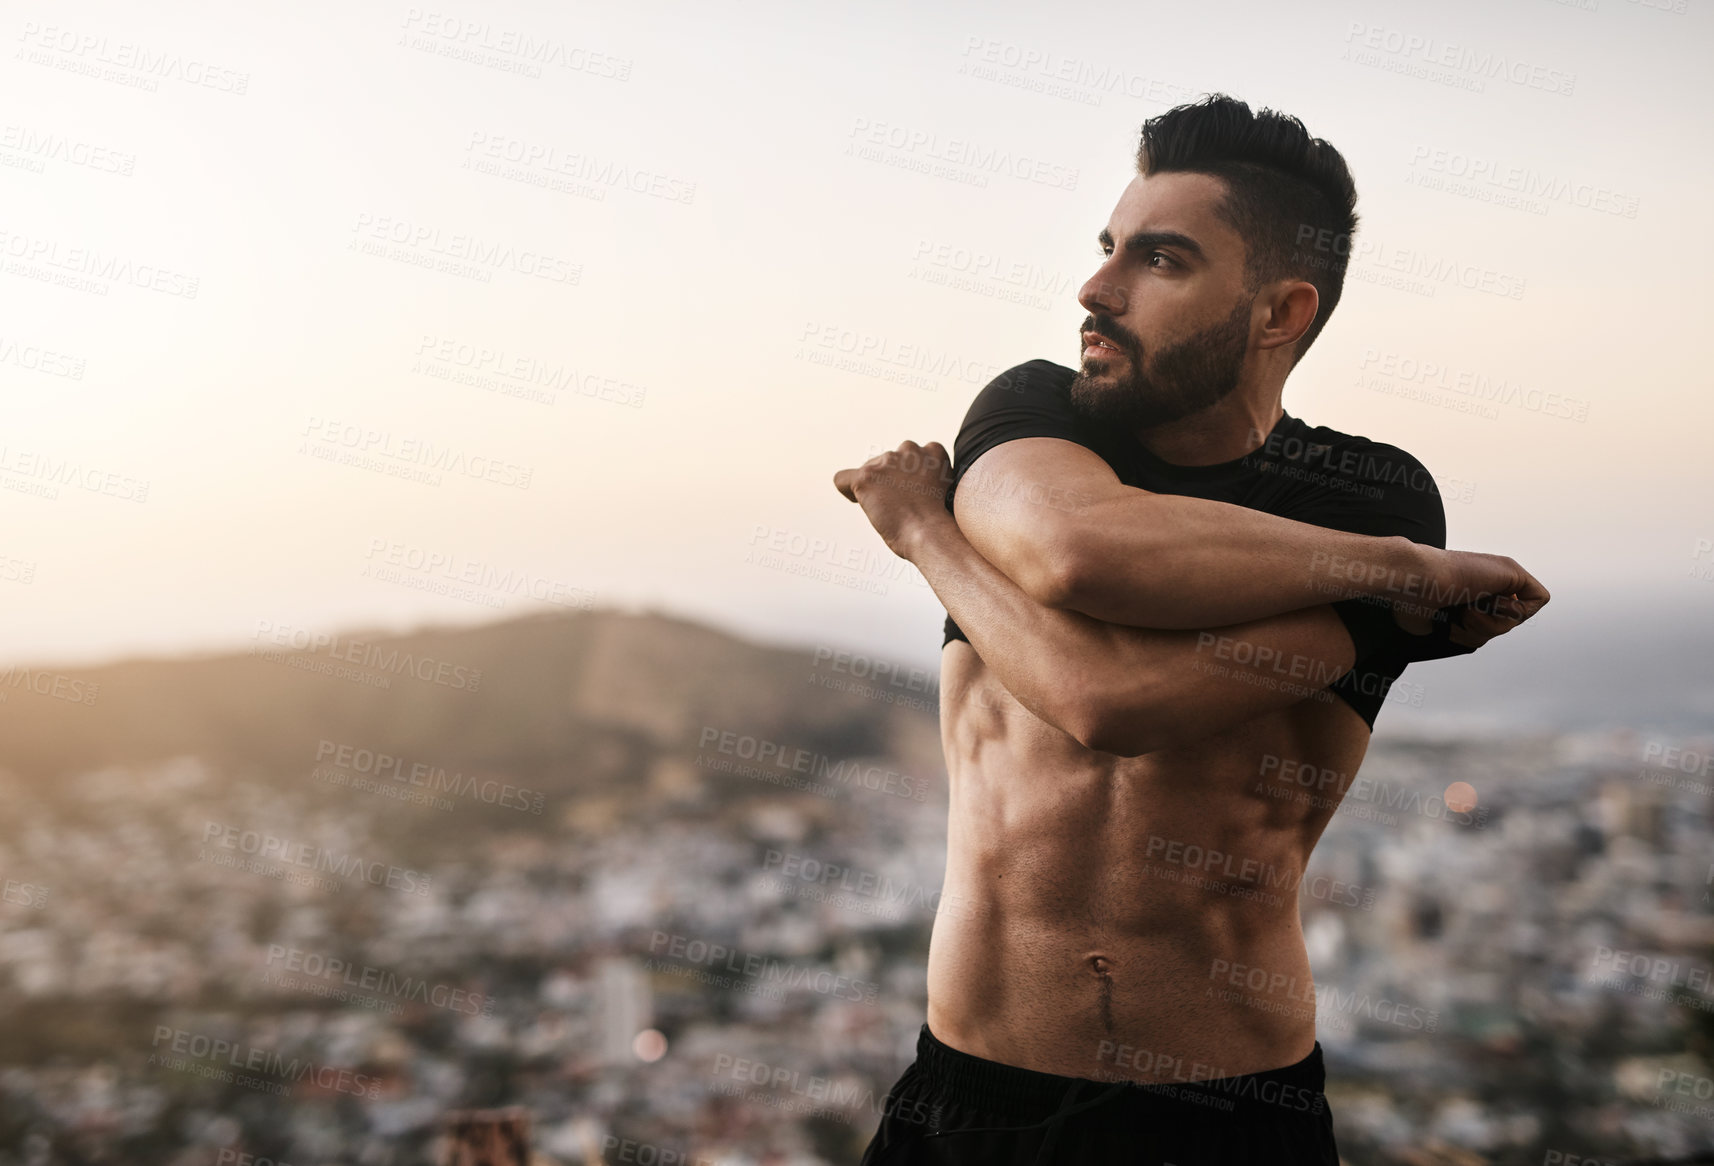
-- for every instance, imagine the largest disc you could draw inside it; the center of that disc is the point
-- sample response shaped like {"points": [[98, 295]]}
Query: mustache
{"points": [[1108, 329]]}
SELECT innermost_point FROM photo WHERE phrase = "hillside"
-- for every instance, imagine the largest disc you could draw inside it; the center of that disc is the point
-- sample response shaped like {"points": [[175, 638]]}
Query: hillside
{"points": [[558, 702]]}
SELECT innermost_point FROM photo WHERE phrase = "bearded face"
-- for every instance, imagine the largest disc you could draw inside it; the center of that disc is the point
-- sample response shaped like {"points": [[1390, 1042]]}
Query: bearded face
{"points": [[1123, 385]]}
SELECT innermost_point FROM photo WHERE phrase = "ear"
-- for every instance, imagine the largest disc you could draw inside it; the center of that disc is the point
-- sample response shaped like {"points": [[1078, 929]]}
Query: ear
{"points": [[1291, 308]]}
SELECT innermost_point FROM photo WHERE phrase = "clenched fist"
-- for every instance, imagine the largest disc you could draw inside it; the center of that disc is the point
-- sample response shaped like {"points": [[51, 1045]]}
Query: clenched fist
{"points": [[902, 492]]}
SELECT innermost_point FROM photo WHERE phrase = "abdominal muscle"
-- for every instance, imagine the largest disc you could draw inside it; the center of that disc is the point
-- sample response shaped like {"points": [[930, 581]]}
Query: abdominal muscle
{"points": [[1126, 917]]}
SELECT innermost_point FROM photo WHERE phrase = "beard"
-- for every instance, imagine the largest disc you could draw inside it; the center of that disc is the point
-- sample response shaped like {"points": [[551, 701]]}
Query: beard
{"points": [[1181, 379]]}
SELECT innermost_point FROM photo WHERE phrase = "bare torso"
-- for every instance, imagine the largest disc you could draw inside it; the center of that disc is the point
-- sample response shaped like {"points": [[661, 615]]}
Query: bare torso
{"points": [[1127, 917]]}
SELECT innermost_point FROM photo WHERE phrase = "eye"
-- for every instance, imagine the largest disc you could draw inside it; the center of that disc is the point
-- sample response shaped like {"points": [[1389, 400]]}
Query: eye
{"points": [[1165, 259]]}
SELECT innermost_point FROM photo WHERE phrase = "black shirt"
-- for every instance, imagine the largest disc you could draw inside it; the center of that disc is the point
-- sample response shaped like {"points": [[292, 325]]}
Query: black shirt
{"points": [[1306, 473]]}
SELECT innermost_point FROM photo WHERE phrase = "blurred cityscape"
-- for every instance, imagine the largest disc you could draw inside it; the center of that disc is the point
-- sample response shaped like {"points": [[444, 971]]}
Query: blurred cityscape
{"points": [[671, 892]]}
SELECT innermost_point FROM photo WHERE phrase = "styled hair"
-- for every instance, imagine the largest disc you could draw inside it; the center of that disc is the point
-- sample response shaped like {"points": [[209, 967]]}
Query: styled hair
{"points": [[1288, 195]]}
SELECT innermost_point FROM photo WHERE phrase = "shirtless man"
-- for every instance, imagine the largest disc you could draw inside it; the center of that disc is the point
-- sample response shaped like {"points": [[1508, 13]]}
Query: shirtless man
{"points": [[1166, 598]]}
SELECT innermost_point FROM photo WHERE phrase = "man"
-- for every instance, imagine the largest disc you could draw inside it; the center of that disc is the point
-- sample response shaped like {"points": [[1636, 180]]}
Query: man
{"points": [[1163, 592]]}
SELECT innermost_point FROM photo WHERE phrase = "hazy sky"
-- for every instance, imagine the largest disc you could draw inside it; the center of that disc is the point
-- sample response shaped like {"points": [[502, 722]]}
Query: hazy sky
{"points": [[628, 282]]}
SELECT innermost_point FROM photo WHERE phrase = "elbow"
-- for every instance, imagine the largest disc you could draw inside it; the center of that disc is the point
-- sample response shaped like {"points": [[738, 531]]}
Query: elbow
{"points": [[1054, 575], [1122, 728], [1118, 739]]}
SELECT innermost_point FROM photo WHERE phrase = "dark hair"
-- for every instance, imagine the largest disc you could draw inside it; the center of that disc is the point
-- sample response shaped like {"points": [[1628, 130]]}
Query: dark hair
{"points": [[1290, 196]]}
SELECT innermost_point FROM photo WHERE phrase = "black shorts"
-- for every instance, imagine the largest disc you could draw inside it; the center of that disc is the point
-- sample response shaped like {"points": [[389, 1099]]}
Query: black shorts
{"points": [[951, 1107]]}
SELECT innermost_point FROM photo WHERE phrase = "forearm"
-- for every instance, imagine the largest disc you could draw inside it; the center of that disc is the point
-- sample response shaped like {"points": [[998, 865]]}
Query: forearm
{"points": [[1129, 690], [1053, 661], [1175, 562]]}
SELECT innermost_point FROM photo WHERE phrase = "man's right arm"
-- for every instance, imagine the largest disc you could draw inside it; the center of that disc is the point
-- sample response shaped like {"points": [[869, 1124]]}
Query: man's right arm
{"points": [[1053, 516]]}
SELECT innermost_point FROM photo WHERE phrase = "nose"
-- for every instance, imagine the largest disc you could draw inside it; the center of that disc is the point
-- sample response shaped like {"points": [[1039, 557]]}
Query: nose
{"points": [[1102, 294]]}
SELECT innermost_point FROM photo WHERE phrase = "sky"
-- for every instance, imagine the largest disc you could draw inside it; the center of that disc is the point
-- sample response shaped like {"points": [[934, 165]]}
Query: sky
{"points": [[380, 315]]}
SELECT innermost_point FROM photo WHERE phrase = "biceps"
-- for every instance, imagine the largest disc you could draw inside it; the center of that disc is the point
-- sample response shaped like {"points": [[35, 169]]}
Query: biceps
{"points": [[1019, 505]]}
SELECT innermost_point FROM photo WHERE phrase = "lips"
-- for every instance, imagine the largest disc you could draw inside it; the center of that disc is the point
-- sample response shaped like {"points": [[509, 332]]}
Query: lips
{"points": [[1094, 340]]}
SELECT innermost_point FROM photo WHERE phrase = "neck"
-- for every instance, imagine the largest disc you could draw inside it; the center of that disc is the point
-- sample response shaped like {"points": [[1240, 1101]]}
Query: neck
{"points": [[1225, 431]]}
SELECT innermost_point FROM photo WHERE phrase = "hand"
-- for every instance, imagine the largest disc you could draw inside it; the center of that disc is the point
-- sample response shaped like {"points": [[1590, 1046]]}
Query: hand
{"points": [[1476, 623], [901, 492], [1494, 583], [1492, 594]]}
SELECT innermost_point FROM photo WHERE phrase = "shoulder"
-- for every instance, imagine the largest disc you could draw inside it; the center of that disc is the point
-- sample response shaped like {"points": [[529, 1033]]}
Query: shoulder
{"points": [[1033, 382], [1363, 485], [1029, 399]]}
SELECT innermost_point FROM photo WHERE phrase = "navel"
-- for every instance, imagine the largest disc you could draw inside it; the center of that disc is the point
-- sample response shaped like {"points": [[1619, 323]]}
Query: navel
{"points": [[1102, 971]]}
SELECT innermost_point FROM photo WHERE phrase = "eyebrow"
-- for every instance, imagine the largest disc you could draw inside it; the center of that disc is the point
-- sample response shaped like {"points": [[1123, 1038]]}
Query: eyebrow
{"points": [[1149, 240]]}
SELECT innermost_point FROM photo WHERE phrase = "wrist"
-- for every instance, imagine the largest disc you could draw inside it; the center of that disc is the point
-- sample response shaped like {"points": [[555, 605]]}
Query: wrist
{"points": [[1434, 574], [921, 534]]}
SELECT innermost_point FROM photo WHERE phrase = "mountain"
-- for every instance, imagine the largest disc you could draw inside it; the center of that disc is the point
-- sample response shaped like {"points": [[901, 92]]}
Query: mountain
{"points": [[557, 702]]}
